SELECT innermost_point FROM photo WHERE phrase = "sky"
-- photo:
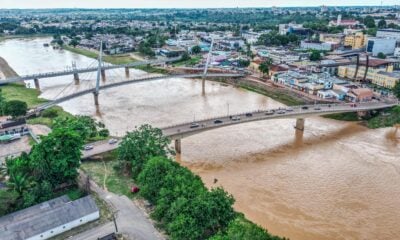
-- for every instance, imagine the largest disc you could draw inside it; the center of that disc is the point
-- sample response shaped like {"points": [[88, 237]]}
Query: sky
{"points": [[181, 3]]}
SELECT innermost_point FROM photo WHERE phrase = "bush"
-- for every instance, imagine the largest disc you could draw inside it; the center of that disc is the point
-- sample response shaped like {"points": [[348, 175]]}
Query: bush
{"points": [[50, 113]]}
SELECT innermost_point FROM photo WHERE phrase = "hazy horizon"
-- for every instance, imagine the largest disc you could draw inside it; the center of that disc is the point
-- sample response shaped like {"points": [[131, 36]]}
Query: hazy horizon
{"points": [[50, 4]]}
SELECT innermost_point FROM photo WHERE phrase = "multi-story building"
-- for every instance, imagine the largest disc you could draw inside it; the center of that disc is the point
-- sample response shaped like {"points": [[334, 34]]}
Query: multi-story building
{"points": [[331, 38], [356, 40], [381, 45], [384, 77]]}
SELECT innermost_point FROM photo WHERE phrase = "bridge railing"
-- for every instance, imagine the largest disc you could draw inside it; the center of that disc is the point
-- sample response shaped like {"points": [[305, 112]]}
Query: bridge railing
{"points": [[327, 108]]}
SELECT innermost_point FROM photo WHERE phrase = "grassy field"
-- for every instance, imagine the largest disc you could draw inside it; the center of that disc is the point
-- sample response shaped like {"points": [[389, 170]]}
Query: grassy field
{"points": [[114, 59], [191, 62], [47, 119], [104, 174], [387, 118], [20, 92], [280, 97]]}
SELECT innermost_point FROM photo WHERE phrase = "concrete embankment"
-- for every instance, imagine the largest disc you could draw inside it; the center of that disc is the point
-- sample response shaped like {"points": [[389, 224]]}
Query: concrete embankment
{"points": [[5, 70]]}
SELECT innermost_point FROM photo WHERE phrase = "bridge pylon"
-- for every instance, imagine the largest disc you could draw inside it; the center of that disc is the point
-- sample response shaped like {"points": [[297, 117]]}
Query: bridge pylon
{"points": [[96, 98], [178, 146], [300, 124], [76, 75], [127, 72], [37, 85]]}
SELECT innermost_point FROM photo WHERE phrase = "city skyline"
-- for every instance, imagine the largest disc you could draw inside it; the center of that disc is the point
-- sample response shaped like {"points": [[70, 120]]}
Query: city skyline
{"points": [[26, 4]]}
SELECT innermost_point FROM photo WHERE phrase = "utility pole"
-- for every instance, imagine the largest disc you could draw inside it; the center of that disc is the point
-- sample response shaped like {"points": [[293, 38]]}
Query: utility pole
{"points": [[96, 92]]}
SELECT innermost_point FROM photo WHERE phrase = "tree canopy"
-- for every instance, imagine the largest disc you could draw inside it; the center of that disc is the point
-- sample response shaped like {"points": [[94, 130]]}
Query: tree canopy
{"points": [[16, 108]]}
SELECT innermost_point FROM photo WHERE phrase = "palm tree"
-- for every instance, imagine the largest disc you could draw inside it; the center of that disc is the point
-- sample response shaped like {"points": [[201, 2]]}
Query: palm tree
{"points": [[18, 183]]}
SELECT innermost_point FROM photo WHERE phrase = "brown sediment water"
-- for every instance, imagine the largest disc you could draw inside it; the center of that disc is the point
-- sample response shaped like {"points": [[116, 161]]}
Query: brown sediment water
{"points": [[335, 180]]}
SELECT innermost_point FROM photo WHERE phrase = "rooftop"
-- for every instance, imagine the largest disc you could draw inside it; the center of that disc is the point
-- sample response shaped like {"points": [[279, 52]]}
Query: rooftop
{"points": [[42, 217]]}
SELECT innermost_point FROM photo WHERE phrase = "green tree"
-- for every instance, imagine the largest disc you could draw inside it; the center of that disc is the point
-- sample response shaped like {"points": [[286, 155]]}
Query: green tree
{"points": [[369, 21], [74, 42], [185, 56], [151, 177], [8, 201], [56, 158], [196, 49], [382, 23], [60, 42], [243, 63], [138, 146], [315, 55], [16, 108], [85, 126], [3, 103], [381, 55], [264, 66], [396, 89], [242, 229]]}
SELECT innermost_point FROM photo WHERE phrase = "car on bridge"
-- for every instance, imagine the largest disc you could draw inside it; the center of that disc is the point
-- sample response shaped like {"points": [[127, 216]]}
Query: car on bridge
{"points": [[270, 112], [249, 114], [194, 125], [304, 108], [218, 121], [112, 141], [235, 118], [317, 108], [281, 112], [88, 147]]}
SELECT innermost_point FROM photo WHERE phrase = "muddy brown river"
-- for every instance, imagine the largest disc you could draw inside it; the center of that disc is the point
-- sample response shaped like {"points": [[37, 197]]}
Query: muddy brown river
{"points": [[337, 180]]}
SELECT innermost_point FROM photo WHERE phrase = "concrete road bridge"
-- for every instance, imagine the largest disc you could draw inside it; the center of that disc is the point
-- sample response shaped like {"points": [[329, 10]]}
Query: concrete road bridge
{"points": [[76, 71], [131, 81], [300, 113]]}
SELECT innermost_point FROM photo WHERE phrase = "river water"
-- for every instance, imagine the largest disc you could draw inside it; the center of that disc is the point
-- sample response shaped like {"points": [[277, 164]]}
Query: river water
{"points": [[338, 180]]}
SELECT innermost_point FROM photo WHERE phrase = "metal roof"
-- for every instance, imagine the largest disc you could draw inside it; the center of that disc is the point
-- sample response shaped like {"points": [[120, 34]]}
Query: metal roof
{"points": [[44, 217]]}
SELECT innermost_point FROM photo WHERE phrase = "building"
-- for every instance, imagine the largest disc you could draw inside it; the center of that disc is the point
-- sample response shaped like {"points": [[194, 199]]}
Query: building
{"points": [[285, 29], [48, 219], [344, 23], [356, 40], [389, 33], [360, 95], [331, 38], [321, 46], [380, 72], [381, 45]]}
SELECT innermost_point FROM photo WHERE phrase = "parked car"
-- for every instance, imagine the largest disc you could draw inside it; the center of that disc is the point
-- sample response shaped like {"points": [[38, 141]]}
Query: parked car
{"points": [[249, 114], [112, 141], [217, 121], [304, 107], [88, 147], [194, 125]]}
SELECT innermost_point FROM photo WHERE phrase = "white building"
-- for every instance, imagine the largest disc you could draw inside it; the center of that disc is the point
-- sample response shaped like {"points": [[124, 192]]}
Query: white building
{"points": [[389, 33], [381, 45], [321, 46], [48, 219]]}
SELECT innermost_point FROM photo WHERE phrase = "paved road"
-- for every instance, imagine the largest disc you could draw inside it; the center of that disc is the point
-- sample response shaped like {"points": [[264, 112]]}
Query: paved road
{"points": [[131, 220]]}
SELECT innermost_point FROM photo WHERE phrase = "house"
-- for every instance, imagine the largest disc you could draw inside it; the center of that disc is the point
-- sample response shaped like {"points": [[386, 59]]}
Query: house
{"points": [[360, 95], [48, 219]]}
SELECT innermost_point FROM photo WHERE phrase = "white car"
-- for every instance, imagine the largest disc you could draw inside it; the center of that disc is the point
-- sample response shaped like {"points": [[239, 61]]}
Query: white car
{"points": [[88, 147], [112, 141]]}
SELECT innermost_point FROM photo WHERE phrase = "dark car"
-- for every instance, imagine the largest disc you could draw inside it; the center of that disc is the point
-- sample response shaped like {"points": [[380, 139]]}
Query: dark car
{"points": [[217, 121], [249, 114], [304, 108]]}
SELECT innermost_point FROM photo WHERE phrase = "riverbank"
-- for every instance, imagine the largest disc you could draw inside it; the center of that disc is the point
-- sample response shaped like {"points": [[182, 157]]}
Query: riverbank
{"points": [[7, 37], [115, 59]]}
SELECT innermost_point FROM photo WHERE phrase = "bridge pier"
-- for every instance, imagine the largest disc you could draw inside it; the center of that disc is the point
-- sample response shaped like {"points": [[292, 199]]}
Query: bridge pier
{"points": [[300, 124], [203, 86], [76, 78], [127, 72], [103, 75], [178, 146], [96, 98], [37, 85]]}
